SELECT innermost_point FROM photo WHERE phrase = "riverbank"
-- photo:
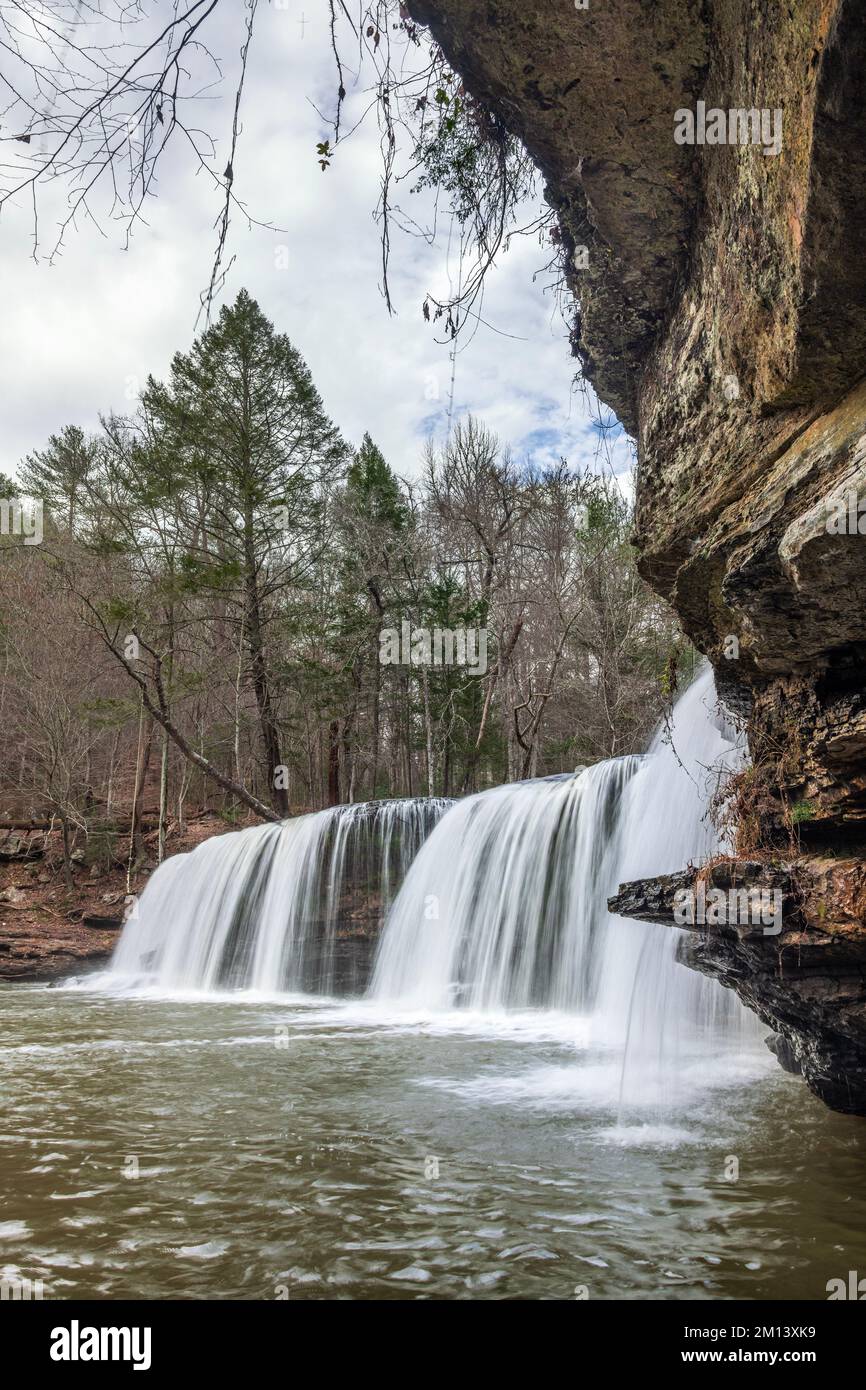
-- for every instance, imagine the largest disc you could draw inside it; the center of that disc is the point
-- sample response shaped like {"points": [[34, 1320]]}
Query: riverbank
{"points": [[49, 928], [237, 1149]]}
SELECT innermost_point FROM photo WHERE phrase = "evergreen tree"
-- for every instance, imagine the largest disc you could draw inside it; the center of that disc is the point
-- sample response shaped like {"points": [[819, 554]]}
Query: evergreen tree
{"points": [[376, 527], [243, 412], [59, 474]]}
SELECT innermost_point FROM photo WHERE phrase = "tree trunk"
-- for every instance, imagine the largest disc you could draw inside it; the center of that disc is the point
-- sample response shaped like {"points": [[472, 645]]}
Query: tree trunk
{"points": [[406, 699], [139, 853], [111, 765], [261, 686], [494, 675], [377, 673], [428, 732], [67, 854], [334, 763], [163, 797]]}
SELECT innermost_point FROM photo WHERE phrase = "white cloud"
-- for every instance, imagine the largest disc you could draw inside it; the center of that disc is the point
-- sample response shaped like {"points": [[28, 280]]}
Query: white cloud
{"points": [[79, 336]]}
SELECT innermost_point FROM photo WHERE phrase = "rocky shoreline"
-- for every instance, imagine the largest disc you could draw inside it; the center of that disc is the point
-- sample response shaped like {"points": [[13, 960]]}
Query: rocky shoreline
{"points": [[36, 952], [49, 928], [803, 974], [721, 294]]}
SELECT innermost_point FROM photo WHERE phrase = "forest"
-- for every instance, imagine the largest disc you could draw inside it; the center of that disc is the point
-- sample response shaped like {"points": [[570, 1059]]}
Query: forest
{"points": [[201, 626], [433, 791]]}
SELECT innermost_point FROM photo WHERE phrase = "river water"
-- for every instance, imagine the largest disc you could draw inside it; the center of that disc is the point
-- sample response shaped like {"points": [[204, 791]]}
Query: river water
{"points": [[529, 1098], [227, 1147]]}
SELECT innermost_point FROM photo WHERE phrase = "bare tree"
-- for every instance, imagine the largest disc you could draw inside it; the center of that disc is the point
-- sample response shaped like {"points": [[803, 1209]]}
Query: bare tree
{"points": [[97, 90]]}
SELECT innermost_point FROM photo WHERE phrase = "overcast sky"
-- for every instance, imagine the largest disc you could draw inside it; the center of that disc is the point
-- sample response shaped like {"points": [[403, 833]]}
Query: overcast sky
{"points": [[79, 337]]}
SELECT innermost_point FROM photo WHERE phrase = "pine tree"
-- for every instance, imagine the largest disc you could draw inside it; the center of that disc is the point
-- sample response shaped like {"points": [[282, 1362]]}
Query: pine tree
{"points": [[373, 491], [259, 450], [59, 473], [376, 527]]}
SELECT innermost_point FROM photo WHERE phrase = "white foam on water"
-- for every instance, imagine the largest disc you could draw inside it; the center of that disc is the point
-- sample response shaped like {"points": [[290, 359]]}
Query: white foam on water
{"points": [[505, 907], [258, 909], [499, 930]]}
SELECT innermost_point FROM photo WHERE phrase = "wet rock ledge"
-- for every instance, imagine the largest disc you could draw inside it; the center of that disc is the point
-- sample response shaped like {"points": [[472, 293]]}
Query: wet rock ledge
{"points": [[808, 982], [720, 311]]}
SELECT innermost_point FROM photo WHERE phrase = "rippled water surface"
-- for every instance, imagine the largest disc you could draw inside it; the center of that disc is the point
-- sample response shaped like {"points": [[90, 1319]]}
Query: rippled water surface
{"points": [[245, 1149]]}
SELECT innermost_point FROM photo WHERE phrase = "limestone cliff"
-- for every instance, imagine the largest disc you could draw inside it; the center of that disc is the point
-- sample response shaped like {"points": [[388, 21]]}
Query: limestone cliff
{"points": [[721, 314]]}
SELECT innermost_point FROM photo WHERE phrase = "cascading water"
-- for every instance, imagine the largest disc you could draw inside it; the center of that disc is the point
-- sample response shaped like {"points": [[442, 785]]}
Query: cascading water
{"points": [[259, 909], [505, 905], [645, 999], [583, 1089], [505, 902]]}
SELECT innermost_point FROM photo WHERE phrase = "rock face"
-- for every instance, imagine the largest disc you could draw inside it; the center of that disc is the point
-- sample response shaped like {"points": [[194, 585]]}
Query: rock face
{"points": [[590, 94], [721, 314], [38, 951], [800, 968]]}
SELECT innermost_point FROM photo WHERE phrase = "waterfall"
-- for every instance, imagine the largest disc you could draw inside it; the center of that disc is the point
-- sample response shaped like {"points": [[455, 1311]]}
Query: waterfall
{"points": [[645, 998], [494, 902], [261, 908], [506, 900], [505, 905]]}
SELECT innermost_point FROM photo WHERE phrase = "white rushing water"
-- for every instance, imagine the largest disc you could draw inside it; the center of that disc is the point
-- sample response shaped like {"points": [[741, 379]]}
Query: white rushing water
{"points": [[259, 909], [506, 904], [503, 904], [646, 1000]]}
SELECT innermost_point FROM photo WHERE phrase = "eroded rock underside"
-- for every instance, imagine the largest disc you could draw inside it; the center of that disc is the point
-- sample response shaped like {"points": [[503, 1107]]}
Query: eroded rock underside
{"points": [[806, 980], [721, 315]]}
